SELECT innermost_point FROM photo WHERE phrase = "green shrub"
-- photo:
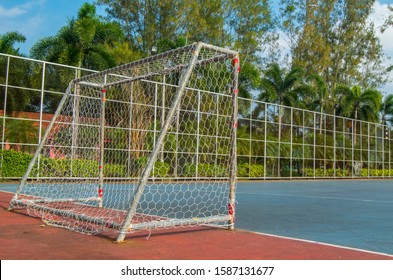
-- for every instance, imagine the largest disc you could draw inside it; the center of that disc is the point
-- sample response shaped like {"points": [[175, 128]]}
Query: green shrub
{"points": [[321, 172], [14, 163], [341, 172], [205, 170], [161, 169], [115, 170], [58, 167], [253, 170], [54, 167], [243, 170], [80, 168], [377, 172], [85, 168]]}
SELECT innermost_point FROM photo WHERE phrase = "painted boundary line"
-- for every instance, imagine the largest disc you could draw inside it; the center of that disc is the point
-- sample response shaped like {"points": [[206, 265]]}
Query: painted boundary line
{"points": [[318, 243], [7, 191]]}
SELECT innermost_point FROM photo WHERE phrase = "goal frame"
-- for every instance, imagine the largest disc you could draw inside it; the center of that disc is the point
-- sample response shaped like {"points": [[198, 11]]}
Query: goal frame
{"points": [[127, 225]]}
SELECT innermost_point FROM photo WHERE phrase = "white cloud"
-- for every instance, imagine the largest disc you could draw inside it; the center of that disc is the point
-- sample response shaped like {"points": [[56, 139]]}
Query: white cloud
{"points": [[27, 18], [11, 12], [28, 26], [379, 15], [20, 9], [31, 4]]}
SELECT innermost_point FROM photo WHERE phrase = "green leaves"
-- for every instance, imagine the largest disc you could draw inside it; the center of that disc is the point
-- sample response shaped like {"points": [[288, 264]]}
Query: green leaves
{"points": [[8, 40], [21, 131], [280, 86], [357, 104], [14, 163], [241, 25], [85, 29], [387, 110], [336, 40], [84, 42]]}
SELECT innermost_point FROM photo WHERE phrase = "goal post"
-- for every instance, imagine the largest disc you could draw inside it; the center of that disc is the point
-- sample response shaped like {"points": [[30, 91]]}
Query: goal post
{"points": [[147, 145]]}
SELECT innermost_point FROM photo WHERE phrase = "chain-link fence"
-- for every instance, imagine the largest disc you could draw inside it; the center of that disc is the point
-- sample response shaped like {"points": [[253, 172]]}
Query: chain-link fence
{"points": [[283, 142], [30, 91]]}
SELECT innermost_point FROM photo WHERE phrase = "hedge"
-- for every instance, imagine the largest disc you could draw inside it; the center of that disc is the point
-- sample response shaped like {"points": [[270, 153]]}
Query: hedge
{"points": [[90, 168], [320, 172], [205, 170], [377, 172], [250, 170], [15, 165], [161, 169]]}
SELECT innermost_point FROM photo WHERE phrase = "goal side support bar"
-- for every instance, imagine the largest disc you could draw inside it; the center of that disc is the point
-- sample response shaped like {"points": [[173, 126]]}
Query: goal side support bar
{"points": [[41, 145], [153, 156], [233, 162]]}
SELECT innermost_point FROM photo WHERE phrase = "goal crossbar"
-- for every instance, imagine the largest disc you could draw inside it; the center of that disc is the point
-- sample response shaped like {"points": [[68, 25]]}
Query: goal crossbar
{"points": [[123, 72]]}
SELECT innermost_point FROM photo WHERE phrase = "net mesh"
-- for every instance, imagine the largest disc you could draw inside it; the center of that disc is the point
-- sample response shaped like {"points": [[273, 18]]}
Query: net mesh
{"points": [[88, 170]]}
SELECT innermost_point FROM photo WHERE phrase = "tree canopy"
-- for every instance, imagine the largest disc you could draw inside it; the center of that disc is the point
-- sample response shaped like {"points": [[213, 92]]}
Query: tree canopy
{"points": [[336, 40]]}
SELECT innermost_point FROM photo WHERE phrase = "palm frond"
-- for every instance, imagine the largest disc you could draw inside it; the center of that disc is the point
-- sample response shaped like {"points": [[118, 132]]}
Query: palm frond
{"points": [[46, 48], [8, 40]]}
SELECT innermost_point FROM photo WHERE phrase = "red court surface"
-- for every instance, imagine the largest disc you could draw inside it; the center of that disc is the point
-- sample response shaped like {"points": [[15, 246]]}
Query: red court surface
{"points": [[24, 237]]}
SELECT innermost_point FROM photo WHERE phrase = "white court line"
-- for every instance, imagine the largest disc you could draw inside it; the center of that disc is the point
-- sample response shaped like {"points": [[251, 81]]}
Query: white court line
{"points": [[320, 243], [7, 191], [319, 197]]}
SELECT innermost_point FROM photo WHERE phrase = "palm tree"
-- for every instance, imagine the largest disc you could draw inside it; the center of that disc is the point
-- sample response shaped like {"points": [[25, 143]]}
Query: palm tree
{"points": [[8, 40], [317, 91], [243, 144], [81, 43], [18, 73], [249, 81], [357, 104], [279, 86], [84, 42], [387, 110], [19, 132], [319, 94]]}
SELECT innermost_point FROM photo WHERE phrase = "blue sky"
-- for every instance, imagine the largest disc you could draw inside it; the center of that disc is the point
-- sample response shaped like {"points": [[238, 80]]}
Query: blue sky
{"points": [[40, 18], [36, 18]]}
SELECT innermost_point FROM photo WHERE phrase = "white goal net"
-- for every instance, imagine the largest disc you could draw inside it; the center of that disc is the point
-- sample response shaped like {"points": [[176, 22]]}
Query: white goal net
{"points": [[146, 145]]}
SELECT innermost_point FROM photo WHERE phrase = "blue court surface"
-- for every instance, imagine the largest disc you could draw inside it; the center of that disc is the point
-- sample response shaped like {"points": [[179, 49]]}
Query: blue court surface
{"points": [[350, 213]]}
